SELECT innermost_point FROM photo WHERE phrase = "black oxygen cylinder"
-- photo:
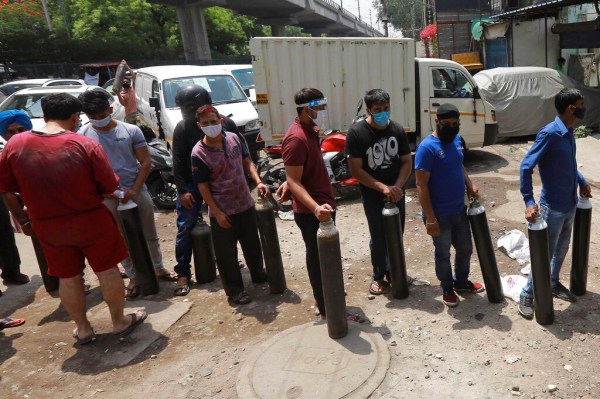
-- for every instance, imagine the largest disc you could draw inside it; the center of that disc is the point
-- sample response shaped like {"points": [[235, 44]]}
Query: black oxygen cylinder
{"points": [[119, 75], [485, 252], [269, 239], [395, 249], [204, 254], [330, 258], [51, 283], [138, 248], [581, 246], [540, 271]]}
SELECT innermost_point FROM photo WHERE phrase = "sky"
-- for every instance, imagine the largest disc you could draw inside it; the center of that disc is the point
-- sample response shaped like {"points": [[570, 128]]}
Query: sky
{"points": [[368, 13]]}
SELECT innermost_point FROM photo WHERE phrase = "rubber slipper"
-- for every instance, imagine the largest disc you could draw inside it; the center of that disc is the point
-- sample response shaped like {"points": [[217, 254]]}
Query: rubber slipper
{"points": [[132, 292], [378, 290], [167, 276], [10, 323], [241, 299], [86, 340], [136, 320]]}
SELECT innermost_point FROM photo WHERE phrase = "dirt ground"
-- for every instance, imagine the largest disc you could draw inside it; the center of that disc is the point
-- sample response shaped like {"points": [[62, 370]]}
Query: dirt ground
{"points": [[477, 350]]}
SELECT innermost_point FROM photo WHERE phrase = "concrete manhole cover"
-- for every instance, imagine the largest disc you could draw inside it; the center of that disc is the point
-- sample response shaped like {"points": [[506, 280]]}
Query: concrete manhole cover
{"points": [[304, 363]]}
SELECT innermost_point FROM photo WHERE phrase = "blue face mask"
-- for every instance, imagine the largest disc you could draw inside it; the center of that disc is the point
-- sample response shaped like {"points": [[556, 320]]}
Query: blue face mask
{"points": [[382, 118], [101, 122]]}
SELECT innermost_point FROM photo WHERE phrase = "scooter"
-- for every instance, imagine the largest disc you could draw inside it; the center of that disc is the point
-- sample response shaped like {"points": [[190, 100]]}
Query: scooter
{"points": [[160, 181]]}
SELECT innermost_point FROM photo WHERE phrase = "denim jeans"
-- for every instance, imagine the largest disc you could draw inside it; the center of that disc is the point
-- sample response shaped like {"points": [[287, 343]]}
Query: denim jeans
{"points": [[560, 225], [186, 221], [377, 244], [146, 211], [454, 231]]}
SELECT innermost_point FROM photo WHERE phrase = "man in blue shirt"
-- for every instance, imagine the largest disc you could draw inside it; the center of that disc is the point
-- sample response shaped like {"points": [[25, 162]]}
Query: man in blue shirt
{"points": [[554, 153], [441, 184]]}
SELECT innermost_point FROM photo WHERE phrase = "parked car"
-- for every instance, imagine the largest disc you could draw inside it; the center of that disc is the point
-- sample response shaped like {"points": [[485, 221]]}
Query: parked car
{"points": [[244, 74], [156, 87], [28, 100], [11, 87]]}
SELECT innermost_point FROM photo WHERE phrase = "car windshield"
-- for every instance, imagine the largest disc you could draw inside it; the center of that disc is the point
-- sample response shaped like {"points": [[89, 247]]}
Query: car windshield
{"points": [[245, 77], [223, 89], [30, 103], [9, 88]]}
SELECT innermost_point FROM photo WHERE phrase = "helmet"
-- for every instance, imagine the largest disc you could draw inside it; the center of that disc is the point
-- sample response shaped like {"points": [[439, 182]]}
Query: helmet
{"points": [[192, 94]]}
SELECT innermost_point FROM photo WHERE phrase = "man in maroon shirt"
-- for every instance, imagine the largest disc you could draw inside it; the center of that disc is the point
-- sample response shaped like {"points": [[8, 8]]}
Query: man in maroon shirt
{"points": [[307, 180], [63, 178]]}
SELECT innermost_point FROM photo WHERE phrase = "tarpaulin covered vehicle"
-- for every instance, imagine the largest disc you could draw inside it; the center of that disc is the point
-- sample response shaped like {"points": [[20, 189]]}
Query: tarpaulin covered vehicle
{"points": [[524, 98]]}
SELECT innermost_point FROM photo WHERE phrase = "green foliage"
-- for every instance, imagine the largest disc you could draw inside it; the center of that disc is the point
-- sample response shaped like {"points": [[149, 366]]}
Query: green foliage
{"points": [[401, 13], [229, 32], [582, 131]]}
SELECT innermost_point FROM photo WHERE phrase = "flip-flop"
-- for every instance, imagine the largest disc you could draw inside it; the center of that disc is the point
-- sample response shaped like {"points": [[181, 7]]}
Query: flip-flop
{"points": [[241, 299], [379, 285], [86, 340], [132, 292], [135, 321], [10, 323], [182, 289], [167, 276]]}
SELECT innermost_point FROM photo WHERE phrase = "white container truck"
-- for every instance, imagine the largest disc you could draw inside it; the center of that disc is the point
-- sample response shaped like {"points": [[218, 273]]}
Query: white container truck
{"points": [[345, 68]]}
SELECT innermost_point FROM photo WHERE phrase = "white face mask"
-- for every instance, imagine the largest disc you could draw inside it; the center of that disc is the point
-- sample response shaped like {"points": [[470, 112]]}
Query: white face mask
{"points": [[211, 130], [101, 122]]}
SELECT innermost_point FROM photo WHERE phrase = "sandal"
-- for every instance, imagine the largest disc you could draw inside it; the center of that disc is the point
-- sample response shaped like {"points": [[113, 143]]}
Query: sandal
{"points": [[86, 340], [183, 287], [166, 275], [136, 320], [10, 323], [241, 299], [376, 287], [132, 292]]}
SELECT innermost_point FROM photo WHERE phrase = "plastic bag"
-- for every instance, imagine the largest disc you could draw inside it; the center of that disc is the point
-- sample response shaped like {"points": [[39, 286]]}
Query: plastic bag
{"points": [[512, 286], [516, 246]]}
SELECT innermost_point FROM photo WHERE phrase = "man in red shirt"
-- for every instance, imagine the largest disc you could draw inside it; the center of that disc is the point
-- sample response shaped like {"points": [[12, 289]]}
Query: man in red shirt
{"points": [[63, 178], [308, 181]]}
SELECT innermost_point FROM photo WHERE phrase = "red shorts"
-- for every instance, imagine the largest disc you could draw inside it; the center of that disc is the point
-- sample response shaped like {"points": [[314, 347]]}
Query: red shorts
{"points": [[68, 241]]}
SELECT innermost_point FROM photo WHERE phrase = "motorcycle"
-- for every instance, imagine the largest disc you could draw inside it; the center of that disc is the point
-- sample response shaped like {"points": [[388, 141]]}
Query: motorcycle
{"points": [[160, 181], [272, 172]]}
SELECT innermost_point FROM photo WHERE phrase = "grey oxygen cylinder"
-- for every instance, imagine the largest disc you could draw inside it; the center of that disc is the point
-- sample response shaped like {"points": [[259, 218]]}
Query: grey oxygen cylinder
{"points": [[138, 247], [204, 255], [269, 239], [51, 283], [581, 246], [119, 75], [540, 271], [485, 251], [330, 258], [395, 249]]}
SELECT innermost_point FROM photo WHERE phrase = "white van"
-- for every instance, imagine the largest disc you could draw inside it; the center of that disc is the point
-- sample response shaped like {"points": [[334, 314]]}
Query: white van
{"points": [[160, 84], [244, 74]]}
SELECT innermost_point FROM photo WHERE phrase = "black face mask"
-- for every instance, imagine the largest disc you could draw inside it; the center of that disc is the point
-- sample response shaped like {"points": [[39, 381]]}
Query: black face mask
{"points": [[579, 113], [447, 134]]}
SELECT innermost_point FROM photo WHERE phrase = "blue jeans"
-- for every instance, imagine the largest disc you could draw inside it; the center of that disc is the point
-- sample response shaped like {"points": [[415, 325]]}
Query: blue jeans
{"points": [[454, 231], [186, 221], [377, 244], [560, 225]]}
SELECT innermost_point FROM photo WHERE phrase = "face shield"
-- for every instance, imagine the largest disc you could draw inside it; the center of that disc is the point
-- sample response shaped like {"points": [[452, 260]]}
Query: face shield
{"points": [[320, 108]]}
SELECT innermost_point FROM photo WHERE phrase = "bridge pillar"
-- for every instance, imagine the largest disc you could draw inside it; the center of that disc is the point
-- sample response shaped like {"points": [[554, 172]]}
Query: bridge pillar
{"points": [[277, 30], [193, 32]]}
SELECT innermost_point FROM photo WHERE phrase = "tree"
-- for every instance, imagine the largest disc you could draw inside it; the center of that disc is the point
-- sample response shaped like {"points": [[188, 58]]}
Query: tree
{"points": [[229, 32], [404, 15]]}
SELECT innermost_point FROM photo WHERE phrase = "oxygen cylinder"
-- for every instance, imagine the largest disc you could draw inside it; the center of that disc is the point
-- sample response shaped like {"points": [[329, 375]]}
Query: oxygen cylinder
{"points": [[267, 230], [138, 247], [540, 271], [204, 254], [395, 249], [485, 251], [330, 258], [119, 75], [51, 283], [581, 246]]}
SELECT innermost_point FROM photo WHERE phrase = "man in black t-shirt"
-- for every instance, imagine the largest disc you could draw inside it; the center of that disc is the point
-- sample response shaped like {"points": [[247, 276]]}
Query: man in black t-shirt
{"points": [[379, 157]]}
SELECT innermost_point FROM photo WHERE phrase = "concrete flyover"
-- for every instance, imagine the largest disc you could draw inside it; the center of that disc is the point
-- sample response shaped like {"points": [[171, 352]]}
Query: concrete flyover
{"points": [[314, 16]]}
